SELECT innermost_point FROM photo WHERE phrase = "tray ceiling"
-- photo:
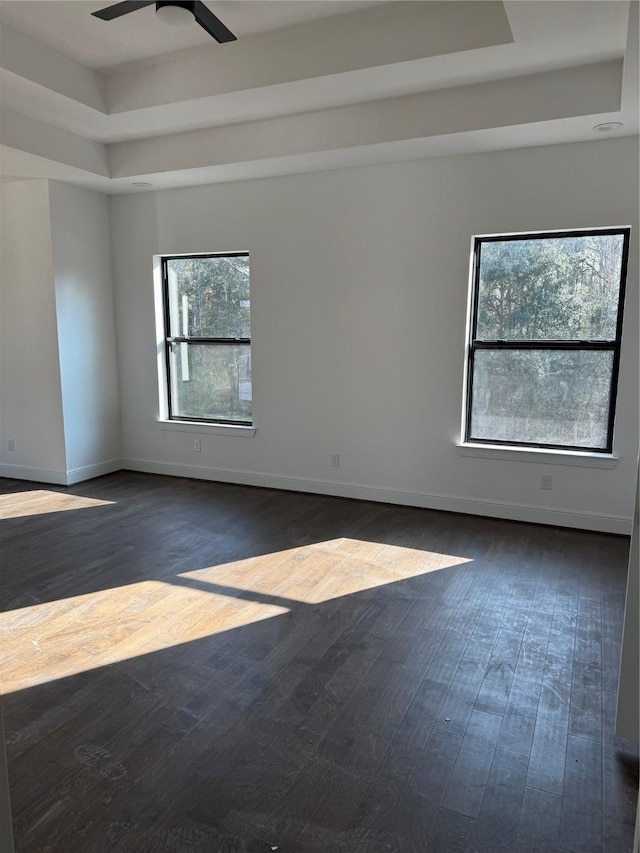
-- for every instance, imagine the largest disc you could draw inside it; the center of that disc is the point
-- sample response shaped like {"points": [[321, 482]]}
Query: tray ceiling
{"points": [[308, 85]]}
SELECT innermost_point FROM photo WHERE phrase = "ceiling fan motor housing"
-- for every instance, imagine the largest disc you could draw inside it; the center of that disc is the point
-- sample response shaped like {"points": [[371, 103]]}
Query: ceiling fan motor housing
{"points": [[183, 4], [176, 12]]}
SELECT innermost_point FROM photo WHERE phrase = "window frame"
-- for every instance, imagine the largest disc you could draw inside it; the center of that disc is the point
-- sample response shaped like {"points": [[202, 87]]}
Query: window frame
{"points": [[170, 340], [474, 344]]}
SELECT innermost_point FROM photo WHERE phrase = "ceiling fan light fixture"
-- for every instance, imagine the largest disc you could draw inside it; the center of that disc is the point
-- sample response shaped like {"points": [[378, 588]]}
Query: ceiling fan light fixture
{"points": [[175, 14]]}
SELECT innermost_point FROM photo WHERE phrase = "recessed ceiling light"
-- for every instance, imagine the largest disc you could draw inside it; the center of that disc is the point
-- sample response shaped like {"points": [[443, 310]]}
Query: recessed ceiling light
{"points": [[608, 126], [141, 185]]}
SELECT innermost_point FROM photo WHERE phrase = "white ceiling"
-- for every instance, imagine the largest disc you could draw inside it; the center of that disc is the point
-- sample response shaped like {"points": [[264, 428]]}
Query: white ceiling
{"points": [[310, 84], [68, 26]]}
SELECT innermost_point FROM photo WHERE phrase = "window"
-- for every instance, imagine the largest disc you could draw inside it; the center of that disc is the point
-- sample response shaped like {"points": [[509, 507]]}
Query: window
{"points": [[208, 338], [544, 347]]}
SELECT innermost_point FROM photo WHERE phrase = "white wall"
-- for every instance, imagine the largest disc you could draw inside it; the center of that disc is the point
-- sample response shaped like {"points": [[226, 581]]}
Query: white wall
{"points": [[59, 387], [30, 391], [86, 329], [359, 290]]}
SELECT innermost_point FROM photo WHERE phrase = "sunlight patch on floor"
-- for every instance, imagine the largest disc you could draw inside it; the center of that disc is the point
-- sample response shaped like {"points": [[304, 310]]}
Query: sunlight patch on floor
{"points": [[41, 501], [62, 638], [57, 639], [320, 572]]}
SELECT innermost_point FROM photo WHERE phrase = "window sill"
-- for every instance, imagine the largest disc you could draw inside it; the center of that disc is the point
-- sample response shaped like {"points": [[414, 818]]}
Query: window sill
{"points": [[198, 428], [534, 454]]}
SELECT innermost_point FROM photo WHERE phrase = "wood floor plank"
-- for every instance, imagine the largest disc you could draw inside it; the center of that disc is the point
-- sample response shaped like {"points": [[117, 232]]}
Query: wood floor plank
{"points": [[619, 781], [549, 746], [493, 694], [585, 716], [451, 831], [417, 810], [106, 775], [539, 825], [461, 697], [502, 803], [581, 822], [391, 784], [589, 631], [362, 732], [466, 788], [612, 619], [517, 728]]}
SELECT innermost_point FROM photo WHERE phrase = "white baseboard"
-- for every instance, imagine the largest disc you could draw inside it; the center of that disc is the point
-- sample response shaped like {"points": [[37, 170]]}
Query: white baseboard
{"points": [[60, 478], [494, 509], [97, 469], [601, 522], [36, 475]]}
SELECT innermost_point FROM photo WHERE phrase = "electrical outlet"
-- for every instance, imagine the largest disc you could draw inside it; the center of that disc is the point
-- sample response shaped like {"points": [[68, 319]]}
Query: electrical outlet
{"points": [[11, 445], [546, 482], [335, 460], [196, 445]]}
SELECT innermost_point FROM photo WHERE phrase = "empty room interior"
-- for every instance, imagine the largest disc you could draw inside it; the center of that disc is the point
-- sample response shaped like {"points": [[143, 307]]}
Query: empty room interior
{"points": [[319, 426]]}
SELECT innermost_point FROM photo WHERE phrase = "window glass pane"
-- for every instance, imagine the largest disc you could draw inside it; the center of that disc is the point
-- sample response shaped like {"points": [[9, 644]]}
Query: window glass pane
{"points": [[542, 396], [554, 287], [209, 297], [211, 381]]}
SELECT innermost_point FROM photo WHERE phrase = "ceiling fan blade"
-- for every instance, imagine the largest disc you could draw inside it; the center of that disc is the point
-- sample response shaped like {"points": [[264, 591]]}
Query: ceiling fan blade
{"points": [[211, 24], [124, 8]]}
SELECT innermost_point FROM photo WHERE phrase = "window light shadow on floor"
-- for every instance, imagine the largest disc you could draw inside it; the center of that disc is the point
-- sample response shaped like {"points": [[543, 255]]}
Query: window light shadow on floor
{"points": [[52, 640], [43, 501]]}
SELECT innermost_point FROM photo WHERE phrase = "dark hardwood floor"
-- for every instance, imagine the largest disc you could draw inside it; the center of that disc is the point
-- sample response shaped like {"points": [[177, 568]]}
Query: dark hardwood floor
{"points": [[195, 667]]}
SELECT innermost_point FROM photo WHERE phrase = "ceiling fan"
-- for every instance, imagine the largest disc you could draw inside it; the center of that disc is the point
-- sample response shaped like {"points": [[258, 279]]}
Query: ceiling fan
{"points": [[173, 12]]}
